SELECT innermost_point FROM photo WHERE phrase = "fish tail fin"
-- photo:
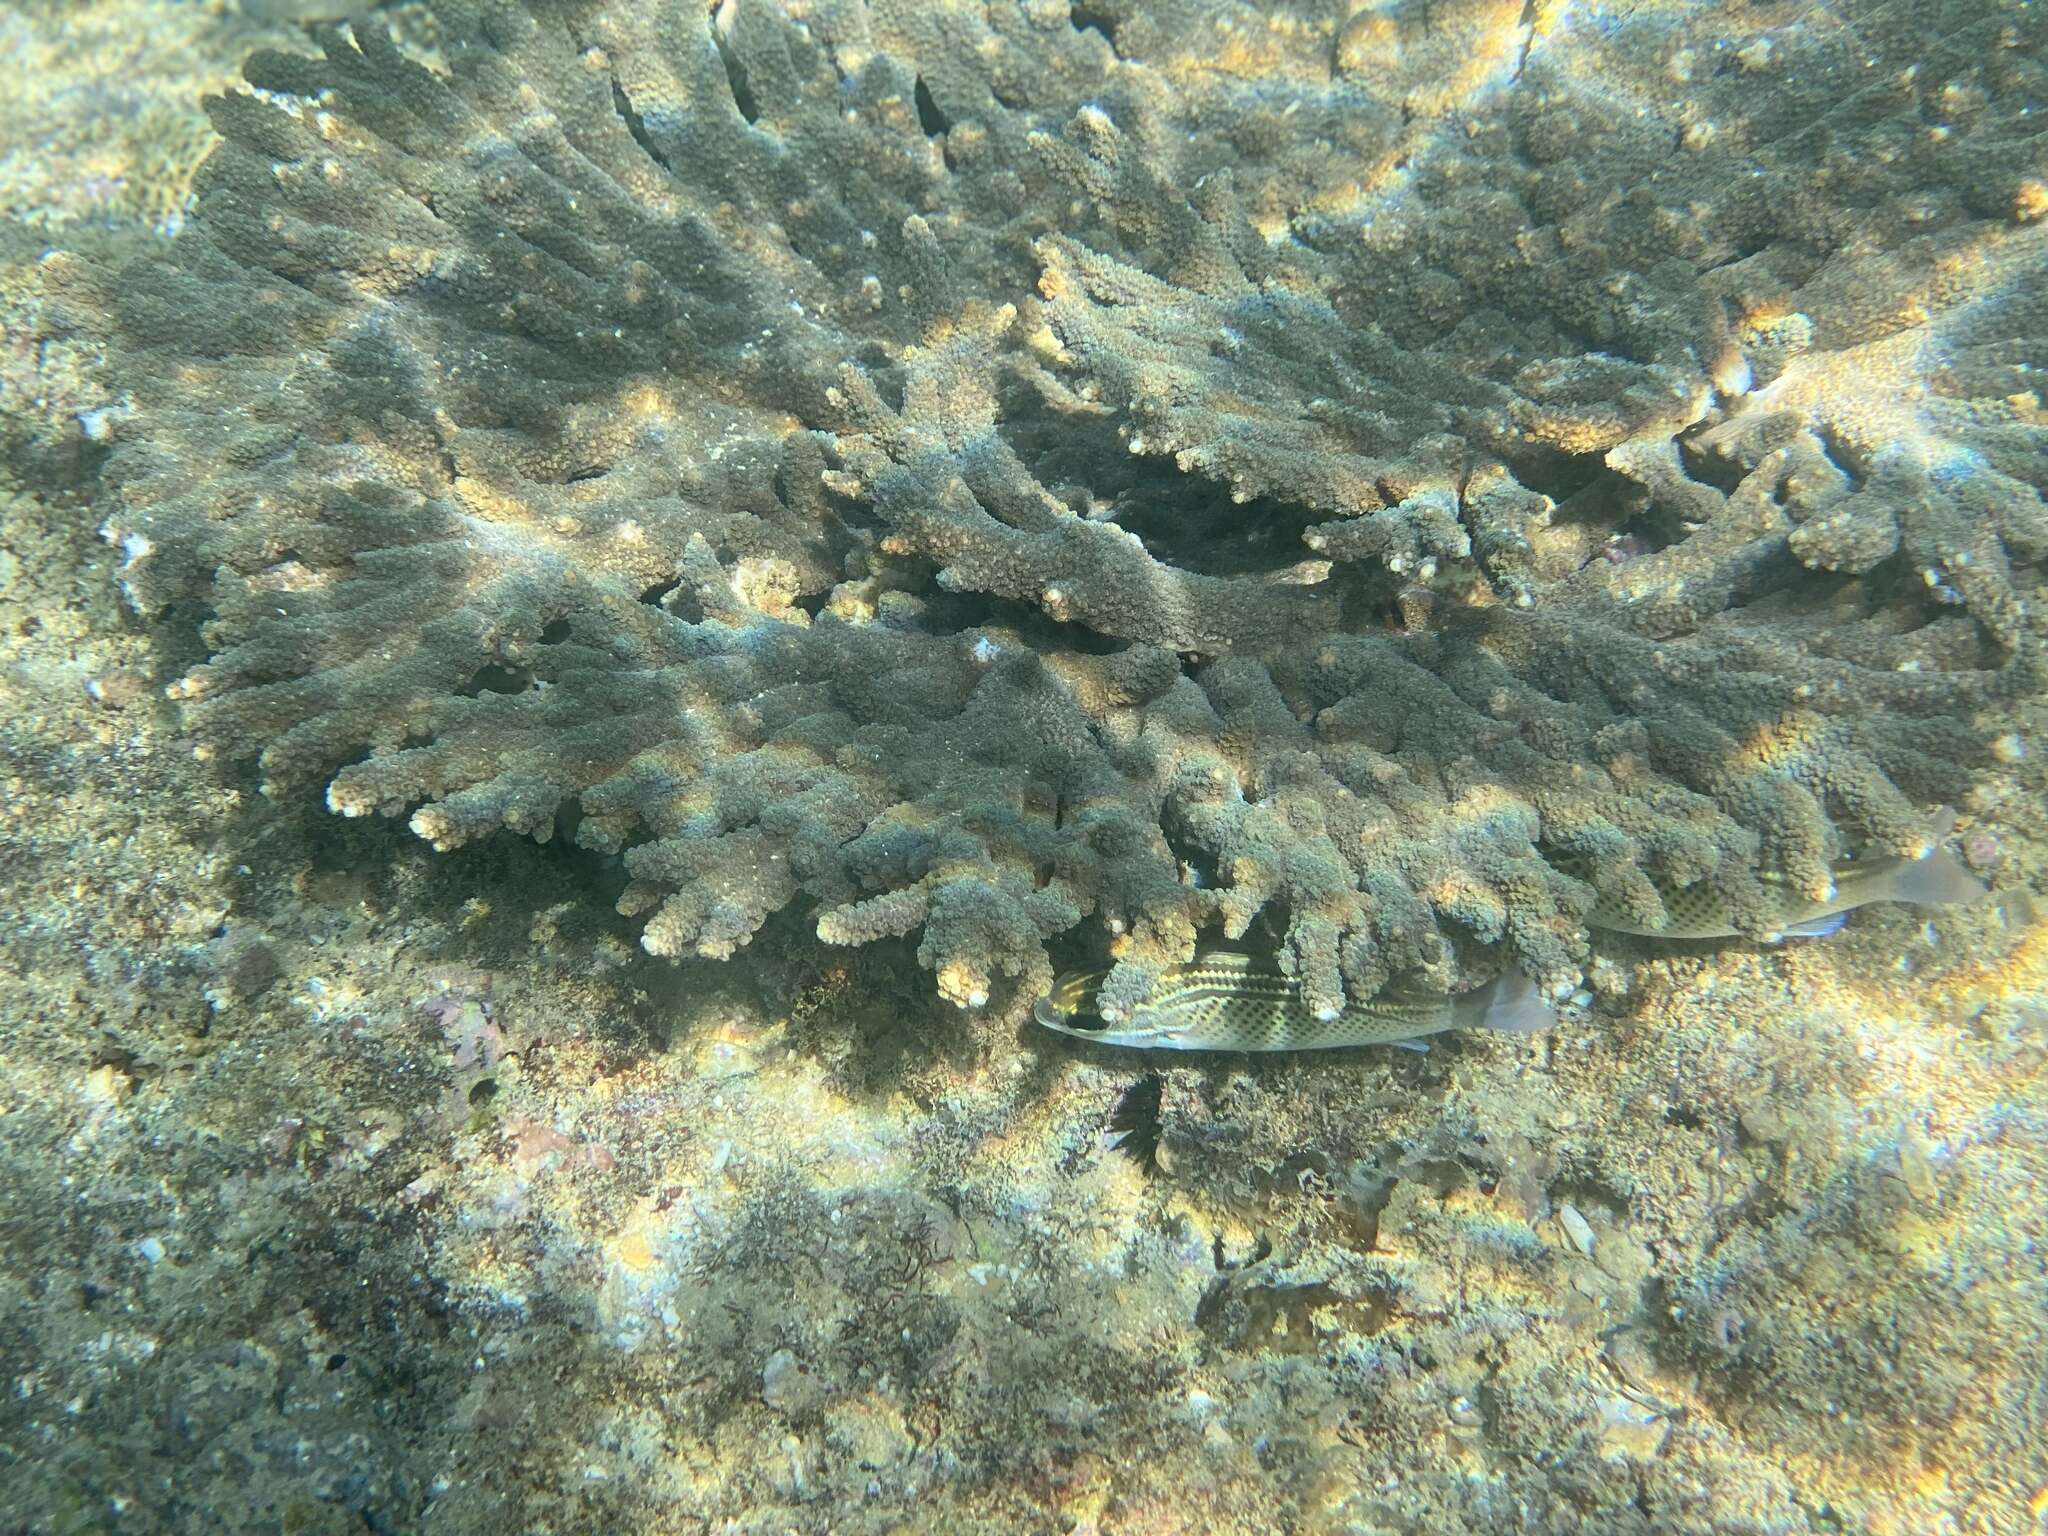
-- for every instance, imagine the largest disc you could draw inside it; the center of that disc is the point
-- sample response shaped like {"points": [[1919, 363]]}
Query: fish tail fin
{"points": [[1509, 1003], [1939, 880]]}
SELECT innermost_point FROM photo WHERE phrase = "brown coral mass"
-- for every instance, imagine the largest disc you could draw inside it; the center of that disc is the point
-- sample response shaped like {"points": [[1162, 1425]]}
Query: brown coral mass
{"points": [[963, 470]]}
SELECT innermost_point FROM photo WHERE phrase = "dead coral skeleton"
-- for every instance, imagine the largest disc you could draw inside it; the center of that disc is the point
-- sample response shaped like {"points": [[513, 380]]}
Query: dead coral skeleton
{"points": [[930, 467]]}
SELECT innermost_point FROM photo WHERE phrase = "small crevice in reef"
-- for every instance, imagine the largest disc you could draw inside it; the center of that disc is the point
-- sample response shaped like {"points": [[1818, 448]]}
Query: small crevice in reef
{"points": [[1093, 18], [498, 679], [956, 613], [1560, 476], [623, 105], [1199, 527], [735, 73], [930, 118], [1705, 461]]}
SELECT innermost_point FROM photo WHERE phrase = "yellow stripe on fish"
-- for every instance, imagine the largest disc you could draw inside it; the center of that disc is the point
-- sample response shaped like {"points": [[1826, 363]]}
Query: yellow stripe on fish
{"points": [[1226, 1001]]}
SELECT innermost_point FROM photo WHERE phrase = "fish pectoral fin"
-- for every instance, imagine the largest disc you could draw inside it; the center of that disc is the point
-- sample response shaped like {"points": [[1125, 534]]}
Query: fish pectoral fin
{"points": [[1818, 927]]}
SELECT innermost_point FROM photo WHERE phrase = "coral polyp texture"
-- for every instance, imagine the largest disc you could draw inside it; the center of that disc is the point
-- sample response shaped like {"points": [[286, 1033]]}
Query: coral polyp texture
{"points": [[985, 473]]}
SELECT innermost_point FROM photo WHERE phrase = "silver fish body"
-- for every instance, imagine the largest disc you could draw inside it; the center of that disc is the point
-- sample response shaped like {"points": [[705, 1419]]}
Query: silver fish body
{"points": [[1936, 878], [1226, 1001]]}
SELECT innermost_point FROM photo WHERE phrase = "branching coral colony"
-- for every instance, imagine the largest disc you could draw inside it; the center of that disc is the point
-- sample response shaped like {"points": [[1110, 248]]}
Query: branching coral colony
{"points": [[973, 470]]}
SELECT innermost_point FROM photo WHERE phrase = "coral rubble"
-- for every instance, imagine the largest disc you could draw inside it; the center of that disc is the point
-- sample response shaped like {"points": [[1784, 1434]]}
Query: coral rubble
{"points": [[958, 471]]}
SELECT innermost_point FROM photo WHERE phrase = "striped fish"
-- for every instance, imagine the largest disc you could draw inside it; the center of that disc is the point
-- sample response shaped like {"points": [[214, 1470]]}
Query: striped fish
{"points": [[1226, 1001], [1936, 878]]}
